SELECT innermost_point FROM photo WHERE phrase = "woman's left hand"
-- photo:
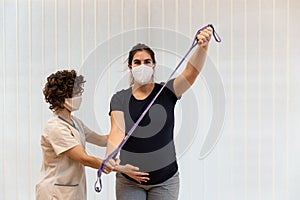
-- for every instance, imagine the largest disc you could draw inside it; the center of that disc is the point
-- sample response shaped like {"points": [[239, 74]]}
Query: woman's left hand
{"points": [[204, 37]]}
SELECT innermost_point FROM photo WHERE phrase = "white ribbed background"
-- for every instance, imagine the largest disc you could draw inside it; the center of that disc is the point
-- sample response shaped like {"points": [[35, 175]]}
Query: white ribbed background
{"points": [[257, 157]]}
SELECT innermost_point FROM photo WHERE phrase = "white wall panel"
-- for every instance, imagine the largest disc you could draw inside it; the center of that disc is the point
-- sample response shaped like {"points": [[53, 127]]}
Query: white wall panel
{"points": [[2, 100], [24, 97], [10, 131]]}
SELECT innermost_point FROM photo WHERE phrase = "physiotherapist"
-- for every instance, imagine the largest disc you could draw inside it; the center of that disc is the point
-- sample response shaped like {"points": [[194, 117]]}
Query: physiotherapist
{"points": [[63, 140]]}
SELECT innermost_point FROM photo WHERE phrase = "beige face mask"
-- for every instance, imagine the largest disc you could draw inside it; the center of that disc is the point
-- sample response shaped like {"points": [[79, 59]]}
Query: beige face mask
{"points": [[142, 74], [73, 103]]}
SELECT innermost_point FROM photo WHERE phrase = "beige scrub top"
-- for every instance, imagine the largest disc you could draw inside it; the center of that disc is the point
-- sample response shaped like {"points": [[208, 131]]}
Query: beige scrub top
{"points": [[61, 177]]}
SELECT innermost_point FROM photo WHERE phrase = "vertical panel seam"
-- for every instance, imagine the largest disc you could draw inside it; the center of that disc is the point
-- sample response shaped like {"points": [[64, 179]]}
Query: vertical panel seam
{"points": [[245, 105], [17, 97], [273, 100], [287, 99], [30, 91], [259, 100], [4, 100], [231, 99]]}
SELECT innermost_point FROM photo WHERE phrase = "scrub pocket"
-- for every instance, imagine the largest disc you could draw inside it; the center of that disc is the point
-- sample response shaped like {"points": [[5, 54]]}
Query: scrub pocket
{"points": [[65, 192]]}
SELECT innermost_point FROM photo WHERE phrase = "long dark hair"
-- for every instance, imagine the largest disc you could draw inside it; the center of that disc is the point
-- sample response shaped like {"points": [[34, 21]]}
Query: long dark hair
{"points": [[140, 47]]}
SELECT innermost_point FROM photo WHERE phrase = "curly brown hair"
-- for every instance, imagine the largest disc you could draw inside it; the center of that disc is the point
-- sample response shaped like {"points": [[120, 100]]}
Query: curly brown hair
{"points": [[61, 85]]}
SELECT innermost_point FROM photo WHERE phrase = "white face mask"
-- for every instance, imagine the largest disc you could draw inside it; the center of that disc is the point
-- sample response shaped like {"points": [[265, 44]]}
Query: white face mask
{"points": [[142, 74], [73, 104]]}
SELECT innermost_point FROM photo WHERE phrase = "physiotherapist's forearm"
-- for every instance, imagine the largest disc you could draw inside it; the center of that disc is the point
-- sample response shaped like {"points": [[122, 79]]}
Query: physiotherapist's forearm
{"points": [[96, 139], [78, 154]]}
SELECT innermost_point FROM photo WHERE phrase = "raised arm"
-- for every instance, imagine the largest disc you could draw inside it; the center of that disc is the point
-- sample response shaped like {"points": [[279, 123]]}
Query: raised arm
{"points": [[195, 64]]}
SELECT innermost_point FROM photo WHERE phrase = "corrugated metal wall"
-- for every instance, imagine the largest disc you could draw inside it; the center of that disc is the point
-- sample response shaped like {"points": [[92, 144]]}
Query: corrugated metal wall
{"points": [[257, 154]]}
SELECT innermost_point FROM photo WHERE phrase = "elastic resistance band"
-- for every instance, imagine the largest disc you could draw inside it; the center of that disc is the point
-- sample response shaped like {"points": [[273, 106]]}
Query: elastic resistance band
{"points": [[116, 151]]}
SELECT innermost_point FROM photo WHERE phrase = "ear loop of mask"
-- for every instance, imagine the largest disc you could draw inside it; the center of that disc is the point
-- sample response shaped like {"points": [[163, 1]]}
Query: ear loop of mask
{"points": [[116, 151]]}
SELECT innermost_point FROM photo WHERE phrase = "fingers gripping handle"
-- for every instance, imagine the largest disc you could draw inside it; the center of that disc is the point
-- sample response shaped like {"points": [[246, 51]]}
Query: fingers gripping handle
{"points": [[215, 34]]}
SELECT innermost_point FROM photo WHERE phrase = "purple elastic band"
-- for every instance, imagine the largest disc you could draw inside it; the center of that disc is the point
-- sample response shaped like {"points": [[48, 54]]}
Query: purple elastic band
{"points": [[116, 151]]}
